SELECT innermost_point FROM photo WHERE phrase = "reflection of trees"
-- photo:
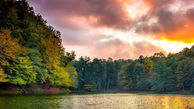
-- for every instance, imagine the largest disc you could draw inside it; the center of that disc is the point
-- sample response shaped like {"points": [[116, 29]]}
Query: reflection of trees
{"points": [[29, 102], [128, 101]]}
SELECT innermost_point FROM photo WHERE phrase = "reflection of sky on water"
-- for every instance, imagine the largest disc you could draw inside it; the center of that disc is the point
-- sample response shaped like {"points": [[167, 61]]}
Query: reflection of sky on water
{"points": [[98, 101]]}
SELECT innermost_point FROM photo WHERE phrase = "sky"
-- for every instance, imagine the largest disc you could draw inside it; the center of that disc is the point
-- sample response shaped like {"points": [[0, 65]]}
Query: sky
{"points": [[121, 29]]}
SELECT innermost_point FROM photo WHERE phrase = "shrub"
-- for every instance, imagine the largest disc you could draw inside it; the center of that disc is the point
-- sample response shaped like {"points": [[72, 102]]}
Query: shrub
{"points": [[38, 91]]}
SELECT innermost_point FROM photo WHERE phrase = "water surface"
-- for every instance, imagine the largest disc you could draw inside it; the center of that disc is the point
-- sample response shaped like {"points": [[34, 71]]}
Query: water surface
{"points": [[98, 101]]}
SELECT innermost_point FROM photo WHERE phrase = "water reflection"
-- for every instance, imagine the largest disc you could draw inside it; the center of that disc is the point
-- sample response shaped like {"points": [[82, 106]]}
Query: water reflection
{"points": [[98, 101]]}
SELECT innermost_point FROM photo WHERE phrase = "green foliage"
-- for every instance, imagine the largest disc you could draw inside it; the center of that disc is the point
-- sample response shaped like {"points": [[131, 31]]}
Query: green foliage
{"points": [[156, 73], [159, 78], [100, 73], [38, 91], [126, 77], [42, 72], [21, 72], [192, 88], [59, 77], [72, 75], [3, 76], [132, 79], [123, 77], [143, 85], [31, 51]]}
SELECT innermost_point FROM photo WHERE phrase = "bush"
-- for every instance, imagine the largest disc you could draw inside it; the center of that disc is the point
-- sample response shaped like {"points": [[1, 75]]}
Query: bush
{"points": [[38, 91]]}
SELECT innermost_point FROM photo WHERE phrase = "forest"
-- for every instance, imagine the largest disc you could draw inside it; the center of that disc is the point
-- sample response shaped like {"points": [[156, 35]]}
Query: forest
{"points": [[158, 73], [31, 53]]}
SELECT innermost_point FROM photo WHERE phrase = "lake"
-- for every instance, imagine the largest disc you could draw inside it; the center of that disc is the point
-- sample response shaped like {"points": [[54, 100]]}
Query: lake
{"points": [[99, 101]]}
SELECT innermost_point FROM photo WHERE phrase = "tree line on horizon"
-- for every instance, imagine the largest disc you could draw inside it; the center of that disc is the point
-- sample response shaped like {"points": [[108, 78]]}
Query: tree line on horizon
{"points": [[158, 73], [31, 52]]}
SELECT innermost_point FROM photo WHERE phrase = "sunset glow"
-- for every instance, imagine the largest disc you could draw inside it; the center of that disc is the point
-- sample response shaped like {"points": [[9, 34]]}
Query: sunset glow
{"points": [[91, 27], [62, 54], [170, 46]]}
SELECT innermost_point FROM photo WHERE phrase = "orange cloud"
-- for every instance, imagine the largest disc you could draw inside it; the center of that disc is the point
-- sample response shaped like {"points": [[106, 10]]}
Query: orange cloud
{"points": [[184, 34], [79, 20], [172, 23]]}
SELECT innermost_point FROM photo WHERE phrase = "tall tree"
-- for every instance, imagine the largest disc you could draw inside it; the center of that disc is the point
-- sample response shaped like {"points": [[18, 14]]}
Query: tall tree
{"points": [[8, 47]]}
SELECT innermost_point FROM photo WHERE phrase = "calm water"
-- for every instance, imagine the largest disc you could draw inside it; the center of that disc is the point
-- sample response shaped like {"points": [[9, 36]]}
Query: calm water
{"points": [[98, 101]]}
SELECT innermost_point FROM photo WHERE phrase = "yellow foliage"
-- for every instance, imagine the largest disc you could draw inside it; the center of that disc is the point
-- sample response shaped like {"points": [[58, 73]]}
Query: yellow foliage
{"points": [[8, 47], [60, 77], [52, 54], [72, 74], [148, 66], [3, 76]]}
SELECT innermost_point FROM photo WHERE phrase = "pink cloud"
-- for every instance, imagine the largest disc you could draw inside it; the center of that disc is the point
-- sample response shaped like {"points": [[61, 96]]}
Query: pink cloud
{"points": [[124, 50], [78, 21]]}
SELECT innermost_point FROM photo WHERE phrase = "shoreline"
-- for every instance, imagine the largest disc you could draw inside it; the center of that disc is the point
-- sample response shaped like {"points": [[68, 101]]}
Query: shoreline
{"points": [[103, 92], [138, 92]]}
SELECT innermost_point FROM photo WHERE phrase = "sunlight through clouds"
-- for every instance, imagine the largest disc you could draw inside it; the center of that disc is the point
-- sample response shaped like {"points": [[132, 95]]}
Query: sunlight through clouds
{"points": [[85, 26]]}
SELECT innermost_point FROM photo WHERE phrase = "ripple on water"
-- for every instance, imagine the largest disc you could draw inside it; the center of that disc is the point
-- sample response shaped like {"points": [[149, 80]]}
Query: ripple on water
{"points": [[98, 101]]}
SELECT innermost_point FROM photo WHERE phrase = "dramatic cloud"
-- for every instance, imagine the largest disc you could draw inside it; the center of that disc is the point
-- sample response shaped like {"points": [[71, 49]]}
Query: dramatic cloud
{"points": [[168, 19], [117, 49], [108, 13], [120, 28]]}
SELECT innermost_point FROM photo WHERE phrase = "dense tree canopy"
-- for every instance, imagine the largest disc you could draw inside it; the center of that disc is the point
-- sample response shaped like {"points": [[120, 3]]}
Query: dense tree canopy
{"points": [[30, 51], [158, 73]]}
